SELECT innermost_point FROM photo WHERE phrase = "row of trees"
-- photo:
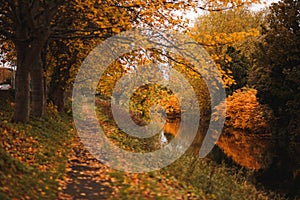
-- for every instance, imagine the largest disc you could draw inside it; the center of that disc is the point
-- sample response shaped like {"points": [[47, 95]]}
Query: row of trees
{"points": [[50, 39], [32, 27], [37, 31]]}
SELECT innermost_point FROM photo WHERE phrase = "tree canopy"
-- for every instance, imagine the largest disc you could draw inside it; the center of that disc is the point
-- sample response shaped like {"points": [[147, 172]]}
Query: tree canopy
{"points": [[276, 75]]}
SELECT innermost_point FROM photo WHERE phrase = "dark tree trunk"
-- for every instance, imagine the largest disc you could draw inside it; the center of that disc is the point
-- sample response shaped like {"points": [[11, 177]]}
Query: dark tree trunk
{"points": [[31, 27], [29, 63], [59, 85], [38, 96], [26, 59], [22, 95], [56, 90], [58, 98], [22, 92]]}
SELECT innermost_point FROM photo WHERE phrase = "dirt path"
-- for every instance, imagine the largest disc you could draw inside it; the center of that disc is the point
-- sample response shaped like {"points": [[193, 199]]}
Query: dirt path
{"points": [[86, 177]]}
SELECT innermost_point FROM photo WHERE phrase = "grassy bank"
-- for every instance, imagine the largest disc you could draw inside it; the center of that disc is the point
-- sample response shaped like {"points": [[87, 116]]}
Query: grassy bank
{"points": [[187, 178], [32, 156], [190, 178], [33, 159], [217, 181]]}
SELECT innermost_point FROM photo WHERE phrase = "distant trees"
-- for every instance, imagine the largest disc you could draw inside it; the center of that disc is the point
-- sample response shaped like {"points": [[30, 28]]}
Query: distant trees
{"points": [[264, 54], [276, 75]]}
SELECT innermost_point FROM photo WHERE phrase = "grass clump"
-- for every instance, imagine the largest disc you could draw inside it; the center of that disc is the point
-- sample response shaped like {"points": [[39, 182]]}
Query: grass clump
{"points": [[217, 181]]}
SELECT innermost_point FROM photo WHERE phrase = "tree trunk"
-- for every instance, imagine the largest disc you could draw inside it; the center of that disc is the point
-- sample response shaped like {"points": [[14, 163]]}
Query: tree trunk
{"points": [[22, 92], [28, 62], [31, 25], [38, 96], [58, 98], [56, 89], [22, 96]]}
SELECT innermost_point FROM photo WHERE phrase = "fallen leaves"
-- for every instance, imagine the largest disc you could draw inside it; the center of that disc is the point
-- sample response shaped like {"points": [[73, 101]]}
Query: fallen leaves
{"points": [[32, 156], [86, 177], [18, 145]]}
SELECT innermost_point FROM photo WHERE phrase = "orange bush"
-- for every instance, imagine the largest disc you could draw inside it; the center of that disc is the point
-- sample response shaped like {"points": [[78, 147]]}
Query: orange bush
{"points": [[244, 112], [246, 137]]}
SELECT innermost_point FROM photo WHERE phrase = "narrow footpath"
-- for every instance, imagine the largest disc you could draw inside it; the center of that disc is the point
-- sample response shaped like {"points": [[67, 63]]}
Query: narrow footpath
{"points": [[86, 177]]}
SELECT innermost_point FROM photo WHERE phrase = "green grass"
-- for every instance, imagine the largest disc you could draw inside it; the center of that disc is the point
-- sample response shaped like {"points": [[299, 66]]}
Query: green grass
{"points": [[217, 181], [34, 155], [190, 178], [152, 185]]}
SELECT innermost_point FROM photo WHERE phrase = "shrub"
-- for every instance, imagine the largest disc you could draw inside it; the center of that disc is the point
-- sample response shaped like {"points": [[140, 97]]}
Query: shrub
{"points": [[246, 137]]}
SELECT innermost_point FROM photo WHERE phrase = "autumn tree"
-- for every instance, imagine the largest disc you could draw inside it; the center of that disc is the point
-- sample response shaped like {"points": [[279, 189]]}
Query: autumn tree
{"points": [[276, 75], [147, 18], [131, 14], [228, 35], [69, 48], [62, 61], [33, 25]]}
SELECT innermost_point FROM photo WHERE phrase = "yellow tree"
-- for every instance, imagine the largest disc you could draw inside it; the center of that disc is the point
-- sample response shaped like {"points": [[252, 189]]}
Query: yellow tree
{"points": [[225, 35], [90, 24]]}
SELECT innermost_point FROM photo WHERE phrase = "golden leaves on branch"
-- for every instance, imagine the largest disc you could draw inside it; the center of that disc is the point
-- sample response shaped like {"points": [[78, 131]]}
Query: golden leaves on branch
{"points": [[215, 38]]}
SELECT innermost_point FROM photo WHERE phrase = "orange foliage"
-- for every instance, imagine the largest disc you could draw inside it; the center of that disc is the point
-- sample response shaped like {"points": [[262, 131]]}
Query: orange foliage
{"points": [[244, 112], [172, 126], [246, 136], [171, 104]]}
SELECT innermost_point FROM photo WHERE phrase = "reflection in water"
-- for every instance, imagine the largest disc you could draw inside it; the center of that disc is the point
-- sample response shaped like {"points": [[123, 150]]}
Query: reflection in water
{"points": [[163, 138], [171, 129]]}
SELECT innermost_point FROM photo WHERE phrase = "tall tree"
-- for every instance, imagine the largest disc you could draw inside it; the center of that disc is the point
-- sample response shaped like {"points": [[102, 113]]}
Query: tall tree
{"points": [[228, 35], [276, 76], [27, 24]]}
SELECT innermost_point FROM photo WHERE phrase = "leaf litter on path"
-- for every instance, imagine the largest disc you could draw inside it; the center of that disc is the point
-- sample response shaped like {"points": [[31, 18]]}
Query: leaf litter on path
{"points": [[86, 177]]}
